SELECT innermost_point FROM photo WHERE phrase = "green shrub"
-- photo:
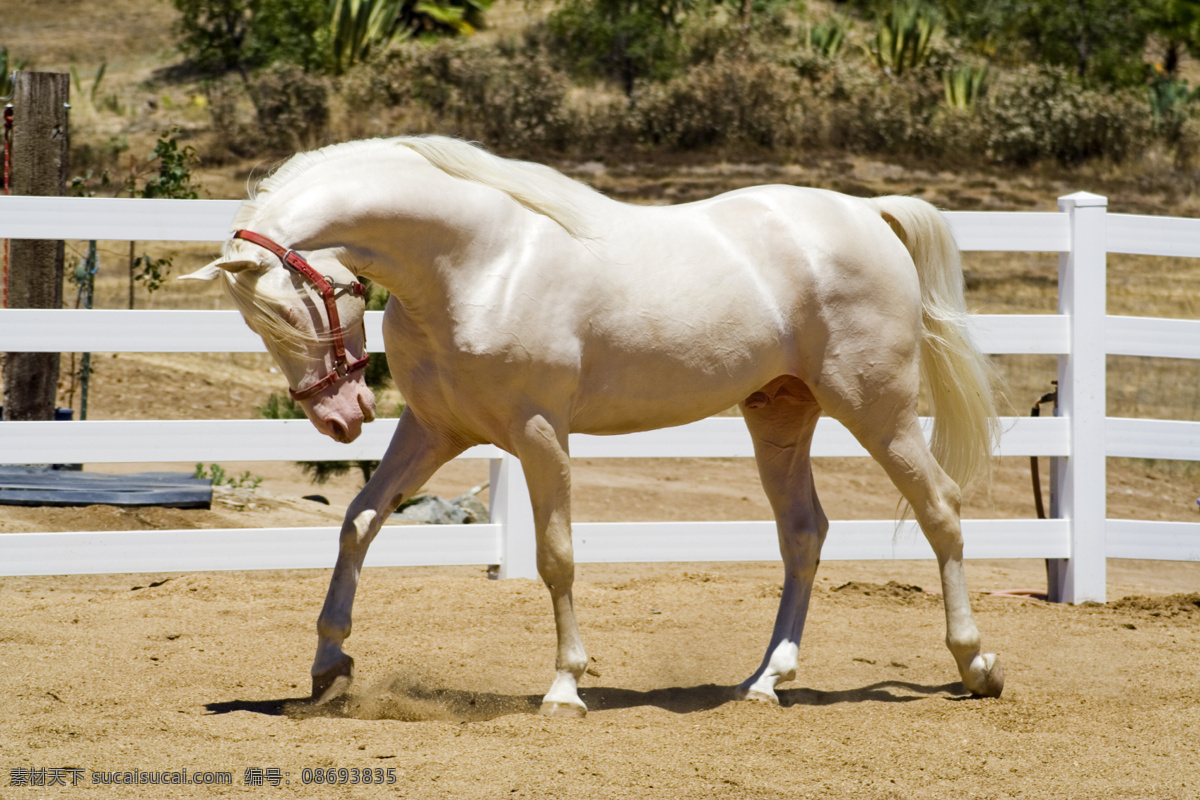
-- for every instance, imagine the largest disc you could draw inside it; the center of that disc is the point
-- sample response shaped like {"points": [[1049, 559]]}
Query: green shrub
{"points": [[1034, 114], [357, 28], [867, 115], [512, 98], [622, 40], [1102, 41], [821, 45], [516, 98], [1170, 105], [292, 108], [217, 474], [727, 102]]}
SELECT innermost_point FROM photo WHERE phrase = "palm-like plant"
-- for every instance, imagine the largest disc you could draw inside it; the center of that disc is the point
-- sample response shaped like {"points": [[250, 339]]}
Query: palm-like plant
{"points": [[904, 37], [826, 38], [964, 85], [361, 27]]}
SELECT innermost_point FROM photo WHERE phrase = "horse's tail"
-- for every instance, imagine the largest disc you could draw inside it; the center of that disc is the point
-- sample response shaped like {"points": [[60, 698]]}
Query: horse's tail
{"points": [[959, 379]]}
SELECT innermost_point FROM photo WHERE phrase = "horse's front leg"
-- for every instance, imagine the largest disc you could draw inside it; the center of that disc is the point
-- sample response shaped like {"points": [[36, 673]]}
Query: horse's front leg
{"points": [[547, 467], [412, 457]]}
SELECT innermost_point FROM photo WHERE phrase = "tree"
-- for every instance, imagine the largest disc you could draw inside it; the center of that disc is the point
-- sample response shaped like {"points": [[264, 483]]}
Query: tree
{"points": [[221, 36], [620, 39], [1100, 40], [986, 24]]}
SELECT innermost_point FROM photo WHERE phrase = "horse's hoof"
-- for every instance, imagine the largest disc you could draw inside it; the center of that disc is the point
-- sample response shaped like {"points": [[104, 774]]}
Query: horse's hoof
{"points": [[760, 691], [564, 710], [985, 676], [334, 682], [759, 696]]}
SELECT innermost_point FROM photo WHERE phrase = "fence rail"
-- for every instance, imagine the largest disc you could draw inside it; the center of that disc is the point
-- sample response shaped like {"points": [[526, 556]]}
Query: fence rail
{"points": [[1078, 540]]}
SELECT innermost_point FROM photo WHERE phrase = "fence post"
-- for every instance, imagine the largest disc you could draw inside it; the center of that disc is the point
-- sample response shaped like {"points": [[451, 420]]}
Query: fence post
{"points": [[510, 507], [35, 277], [1080, 478]]}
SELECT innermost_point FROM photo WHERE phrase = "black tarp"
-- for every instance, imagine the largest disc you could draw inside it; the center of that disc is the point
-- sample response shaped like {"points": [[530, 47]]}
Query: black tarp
{"points": [[43, 486]]}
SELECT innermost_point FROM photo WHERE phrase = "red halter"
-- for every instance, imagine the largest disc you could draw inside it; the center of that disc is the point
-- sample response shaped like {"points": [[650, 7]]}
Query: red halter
{"points": [[342, 366]]}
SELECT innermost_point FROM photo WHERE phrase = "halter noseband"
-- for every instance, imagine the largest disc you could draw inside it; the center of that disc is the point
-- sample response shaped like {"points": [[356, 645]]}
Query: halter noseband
{"points": [[342, 366]]}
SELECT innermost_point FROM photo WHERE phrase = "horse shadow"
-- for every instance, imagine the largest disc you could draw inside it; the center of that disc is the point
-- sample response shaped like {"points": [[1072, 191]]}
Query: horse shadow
{"points": [[399, 699]]}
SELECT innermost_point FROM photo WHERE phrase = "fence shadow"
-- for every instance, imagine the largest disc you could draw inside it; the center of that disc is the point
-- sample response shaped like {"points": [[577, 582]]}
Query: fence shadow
{"points": [[399, 699]]}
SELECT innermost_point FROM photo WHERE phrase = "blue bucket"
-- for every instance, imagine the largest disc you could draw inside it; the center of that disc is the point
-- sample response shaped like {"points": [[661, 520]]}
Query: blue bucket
{"points": [[60, 414]]}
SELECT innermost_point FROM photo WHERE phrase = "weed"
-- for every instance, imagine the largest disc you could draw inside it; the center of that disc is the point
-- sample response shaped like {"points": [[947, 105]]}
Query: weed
{"points": [[217, 474]]}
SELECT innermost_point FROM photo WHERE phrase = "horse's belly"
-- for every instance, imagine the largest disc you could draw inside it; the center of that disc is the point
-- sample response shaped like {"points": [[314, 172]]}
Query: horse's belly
{"points": [[631, 418], [661, 397]]}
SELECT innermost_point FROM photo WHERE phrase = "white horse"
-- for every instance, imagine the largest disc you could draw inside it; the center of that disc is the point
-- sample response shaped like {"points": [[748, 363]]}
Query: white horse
{"points": [[526, 306]]}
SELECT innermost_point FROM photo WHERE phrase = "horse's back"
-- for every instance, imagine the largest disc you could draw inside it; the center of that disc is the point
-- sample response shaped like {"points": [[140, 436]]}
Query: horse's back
{"points": [[704, 303]]}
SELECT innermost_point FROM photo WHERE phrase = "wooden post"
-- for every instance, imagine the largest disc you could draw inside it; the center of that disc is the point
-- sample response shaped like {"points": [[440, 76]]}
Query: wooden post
{"points": [[35, 271]]}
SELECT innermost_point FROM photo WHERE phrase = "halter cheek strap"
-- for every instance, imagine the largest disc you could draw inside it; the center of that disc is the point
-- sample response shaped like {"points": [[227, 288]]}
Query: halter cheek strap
{"points": [[342, 365]]}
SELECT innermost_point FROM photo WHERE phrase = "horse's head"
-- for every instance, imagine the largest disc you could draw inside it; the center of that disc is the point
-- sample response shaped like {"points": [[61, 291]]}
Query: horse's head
{"points": [[309, 312]]}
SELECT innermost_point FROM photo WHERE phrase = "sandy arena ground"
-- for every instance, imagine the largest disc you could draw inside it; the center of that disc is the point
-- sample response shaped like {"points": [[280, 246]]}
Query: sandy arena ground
{"points": [[207, 672]]}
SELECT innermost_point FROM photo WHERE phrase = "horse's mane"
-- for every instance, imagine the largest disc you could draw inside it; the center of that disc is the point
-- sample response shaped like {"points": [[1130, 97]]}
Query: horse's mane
{"points": [[539, 188]]}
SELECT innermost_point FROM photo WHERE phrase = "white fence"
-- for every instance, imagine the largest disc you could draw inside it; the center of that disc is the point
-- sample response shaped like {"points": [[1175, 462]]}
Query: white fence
{"points": [[1079, 539]]}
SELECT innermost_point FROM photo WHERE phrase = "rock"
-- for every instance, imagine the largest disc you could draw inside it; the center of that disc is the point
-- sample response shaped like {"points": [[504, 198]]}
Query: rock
{"points": [[432, 510], [473, 507]]}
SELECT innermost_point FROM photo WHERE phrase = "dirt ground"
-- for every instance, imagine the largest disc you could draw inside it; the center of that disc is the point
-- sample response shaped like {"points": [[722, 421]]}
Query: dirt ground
{"points": [[205, 672]]}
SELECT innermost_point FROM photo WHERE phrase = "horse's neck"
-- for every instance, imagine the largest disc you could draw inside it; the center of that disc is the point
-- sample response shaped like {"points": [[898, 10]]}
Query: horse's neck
{"points": [[446, 231], [402, 226]]}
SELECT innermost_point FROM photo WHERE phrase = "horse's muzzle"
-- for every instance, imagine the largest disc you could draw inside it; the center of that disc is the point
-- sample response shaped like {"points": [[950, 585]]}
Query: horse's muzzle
{"points": [[341, 410]]}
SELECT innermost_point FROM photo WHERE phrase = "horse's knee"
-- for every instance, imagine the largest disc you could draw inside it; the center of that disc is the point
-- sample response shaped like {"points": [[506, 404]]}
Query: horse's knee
{"points": [[556, 567], [802, 547], [941, 520], [359, 528]]}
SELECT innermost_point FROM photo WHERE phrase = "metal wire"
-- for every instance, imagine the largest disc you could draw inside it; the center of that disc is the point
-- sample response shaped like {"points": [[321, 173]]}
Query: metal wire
{"points": [[8, 124]]}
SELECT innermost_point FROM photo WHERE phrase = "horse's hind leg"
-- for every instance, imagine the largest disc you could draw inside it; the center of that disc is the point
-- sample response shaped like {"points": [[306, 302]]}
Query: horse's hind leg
{"points": [[412, 457], [900, 447], [935, 500], [782, 426]]}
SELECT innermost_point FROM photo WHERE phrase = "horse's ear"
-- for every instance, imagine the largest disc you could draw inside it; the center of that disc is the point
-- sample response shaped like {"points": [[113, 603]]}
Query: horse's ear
{"points": [[212, 270]]}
